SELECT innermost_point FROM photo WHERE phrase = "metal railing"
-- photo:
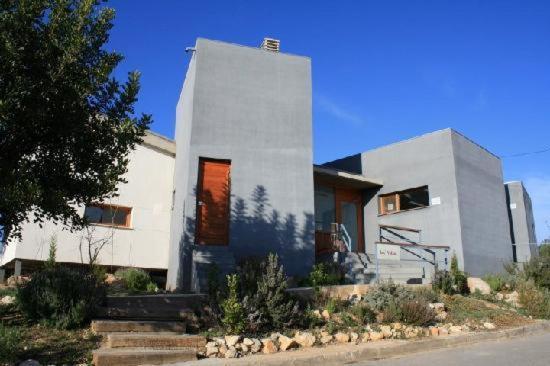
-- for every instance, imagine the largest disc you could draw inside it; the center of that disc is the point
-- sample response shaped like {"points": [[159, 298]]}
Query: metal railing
{"points": [[395, 236]]}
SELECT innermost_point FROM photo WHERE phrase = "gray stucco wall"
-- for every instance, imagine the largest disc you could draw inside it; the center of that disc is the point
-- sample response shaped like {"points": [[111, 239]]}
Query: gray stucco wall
{"points": [[521, 219], [179, 256], [484, 221], [425, 160], [467, 201], [252, 107]]}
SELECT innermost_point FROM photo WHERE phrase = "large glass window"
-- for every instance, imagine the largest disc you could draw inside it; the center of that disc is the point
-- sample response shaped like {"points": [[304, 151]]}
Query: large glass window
{"points": [[404, 200], [324, 208], [112, 215]]}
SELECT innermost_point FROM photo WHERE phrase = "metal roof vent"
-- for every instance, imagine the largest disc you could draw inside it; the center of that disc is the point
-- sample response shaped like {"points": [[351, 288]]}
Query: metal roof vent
{"points": [[270, 44]]}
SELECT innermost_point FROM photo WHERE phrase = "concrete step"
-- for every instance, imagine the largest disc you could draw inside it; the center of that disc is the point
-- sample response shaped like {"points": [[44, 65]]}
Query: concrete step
{"points": [[141, 356], [152, 307], [155, 340], [112, 326]]}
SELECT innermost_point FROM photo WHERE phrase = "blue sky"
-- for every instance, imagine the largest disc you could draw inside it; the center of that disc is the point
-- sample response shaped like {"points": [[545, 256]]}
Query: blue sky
{"points": [[383, 71]]}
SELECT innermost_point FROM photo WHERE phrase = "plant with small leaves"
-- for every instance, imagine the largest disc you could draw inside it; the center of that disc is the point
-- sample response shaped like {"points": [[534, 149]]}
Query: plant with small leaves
{"points": [[233, 311]]}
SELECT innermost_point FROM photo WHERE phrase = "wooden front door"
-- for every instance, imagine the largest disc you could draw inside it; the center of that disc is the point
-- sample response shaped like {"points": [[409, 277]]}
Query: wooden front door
{"points": [[349, 211], [213, 202]]}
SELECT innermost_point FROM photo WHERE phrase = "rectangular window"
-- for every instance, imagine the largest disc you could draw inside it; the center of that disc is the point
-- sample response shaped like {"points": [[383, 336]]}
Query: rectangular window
{"points": [[404, 200], [110, 215]]}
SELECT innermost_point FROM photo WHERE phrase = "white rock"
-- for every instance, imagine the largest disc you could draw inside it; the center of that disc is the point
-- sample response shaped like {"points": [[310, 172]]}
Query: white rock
{"points": [[256, 347], [7, 300], [304, 339], [386, 331], [231, 352], [248, 342], [286, 343], [354, 336], [489, 326], [211, 351], [232, 340], [475, 283]]}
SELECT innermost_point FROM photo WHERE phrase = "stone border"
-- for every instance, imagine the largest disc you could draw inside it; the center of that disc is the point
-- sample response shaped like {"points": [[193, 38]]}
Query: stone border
{"points": [[339, 354]]}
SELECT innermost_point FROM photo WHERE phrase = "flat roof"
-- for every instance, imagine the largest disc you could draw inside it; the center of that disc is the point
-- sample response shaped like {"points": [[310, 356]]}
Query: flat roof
{"points": [[159, 143], [346, 178]]}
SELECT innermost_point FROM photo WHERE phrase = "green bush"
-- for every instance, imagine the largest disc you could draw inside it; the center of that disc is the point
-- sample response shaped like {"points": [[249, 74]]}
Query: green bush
{"points": [[233, 311], [426, 294], [363, 314], [334, 305], [495, 281], [416, 313], [535, 301], [10, 338], [61, 297], [325, 274], [392, 312], [136, 280], [268, 305], [386, 294], [451, 282], [538, 270]]}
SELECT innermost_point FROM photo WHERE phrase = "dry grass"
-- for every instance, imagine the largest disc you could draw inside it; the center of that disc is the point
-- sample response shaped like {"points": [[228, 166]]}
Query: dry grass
{"points": [[467, 309], [48, 345]]}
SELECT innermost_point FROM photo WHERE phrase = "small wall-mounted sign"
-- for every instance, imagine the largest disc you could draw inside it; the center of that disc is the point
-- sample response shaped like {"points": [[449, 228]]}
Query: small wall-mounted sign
{"points": [[388, 252], [513, 206], [436, 201]]}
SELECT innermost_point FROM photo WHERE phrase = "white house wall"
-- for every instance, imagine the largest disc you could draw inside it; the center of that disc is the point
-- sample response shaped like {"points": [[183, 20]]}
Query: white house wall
{"points": [[144, 244]]}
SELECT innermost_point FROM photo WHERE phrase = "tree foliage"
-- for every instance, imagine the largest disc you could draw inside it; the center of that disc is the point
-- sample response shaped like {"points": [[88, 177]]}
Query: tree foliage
{"points": [[66, 125]]}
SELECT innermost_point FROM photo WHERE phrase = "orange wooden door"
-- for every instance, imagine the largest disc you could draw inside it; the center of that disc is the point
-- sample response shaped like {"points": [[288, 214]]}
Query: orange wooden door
{"points": [[213, 202], [349, 211]]}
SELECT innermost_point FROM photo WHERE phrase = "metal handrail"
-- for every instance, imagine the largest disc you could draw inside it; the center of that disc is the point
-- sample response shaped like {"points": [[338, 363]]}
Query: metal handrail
{"points": [[347, 236]]}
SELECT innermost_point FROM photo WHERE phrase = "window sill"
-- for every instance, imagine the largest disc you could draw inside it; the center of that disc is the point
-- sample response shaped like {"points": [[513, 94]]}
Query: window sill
{"points": [[403, 211], [112, 226]]}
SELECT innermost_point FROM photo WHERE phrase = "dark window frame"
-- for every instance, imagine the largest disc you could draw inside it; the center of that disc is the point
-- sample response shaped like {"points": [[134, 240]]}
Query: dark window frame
{"points": [[396, 197], [116, 208]]}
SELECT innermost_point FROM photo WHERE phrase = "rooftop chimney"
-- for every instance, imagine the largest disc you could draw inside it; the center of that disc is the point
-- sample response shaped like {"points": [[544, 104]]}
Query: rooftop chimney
{"points": [[270, 44]]}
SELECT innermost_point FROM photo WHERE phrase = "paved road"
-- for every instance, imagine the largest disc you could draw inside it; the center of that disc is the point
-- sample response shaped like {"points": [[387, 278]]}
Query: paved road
{"points": [[532, 350]]}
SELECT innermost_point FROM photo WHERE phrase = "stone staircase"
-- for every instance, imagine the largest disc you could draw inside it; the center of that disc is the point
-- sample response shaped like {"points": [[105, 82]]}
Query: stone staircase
{"points": [[361, 269], [132, 343], [203, 258], [147, 330]]}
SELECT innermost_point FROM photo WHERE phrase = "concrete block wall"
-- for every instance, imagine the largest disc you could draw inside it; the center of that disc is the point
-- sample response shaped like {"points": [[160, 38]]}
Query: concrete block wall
{"points": [[484, 224], [522, 223], [252, 107]]}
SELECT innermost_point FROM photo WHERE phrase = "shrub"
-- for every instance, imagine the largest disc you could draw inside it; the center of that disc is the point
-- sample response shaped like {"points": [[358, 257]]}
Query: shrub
{"points": [[426, 294], [392, 312], [263, 291], [10, 338], [538, 270], [363, 313], [334, 305], [451, 282], [386, 294], [495, 281], [233, 311], [136, 280], [535, 301], [417, 313], [325, 274], [60, 296]]}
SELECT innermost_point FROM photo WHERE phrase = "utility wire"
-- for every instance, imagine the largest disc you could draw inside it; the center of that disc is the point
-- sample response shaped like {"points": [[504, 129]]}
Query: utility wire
{"points": [[526, 153]]}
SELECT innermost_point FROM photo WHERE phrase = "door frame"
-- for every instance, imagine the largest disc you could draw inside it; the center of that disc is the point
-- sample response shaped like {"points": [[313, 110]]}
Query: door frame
{"points": [[198, 195], [342, 194]]}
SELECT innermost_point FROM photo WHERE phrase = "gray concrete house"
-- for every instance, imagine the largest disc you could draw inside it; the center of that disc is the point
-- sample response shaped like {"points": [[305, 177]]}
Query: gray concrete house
{"points": [[239, 181], [524, 239], [245, 183]]}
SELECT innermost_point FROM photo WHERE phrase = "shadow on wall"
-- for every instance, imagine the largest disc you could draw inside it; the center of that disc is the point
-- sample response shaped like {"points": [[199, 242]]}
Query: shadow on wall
{"points": [[255, 229]]}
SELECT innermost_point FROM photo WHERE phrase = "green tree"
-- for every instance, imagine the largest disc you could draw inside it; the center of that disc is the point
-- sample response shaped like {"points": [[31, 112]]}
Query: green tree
{"points": [[66, 125]]}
